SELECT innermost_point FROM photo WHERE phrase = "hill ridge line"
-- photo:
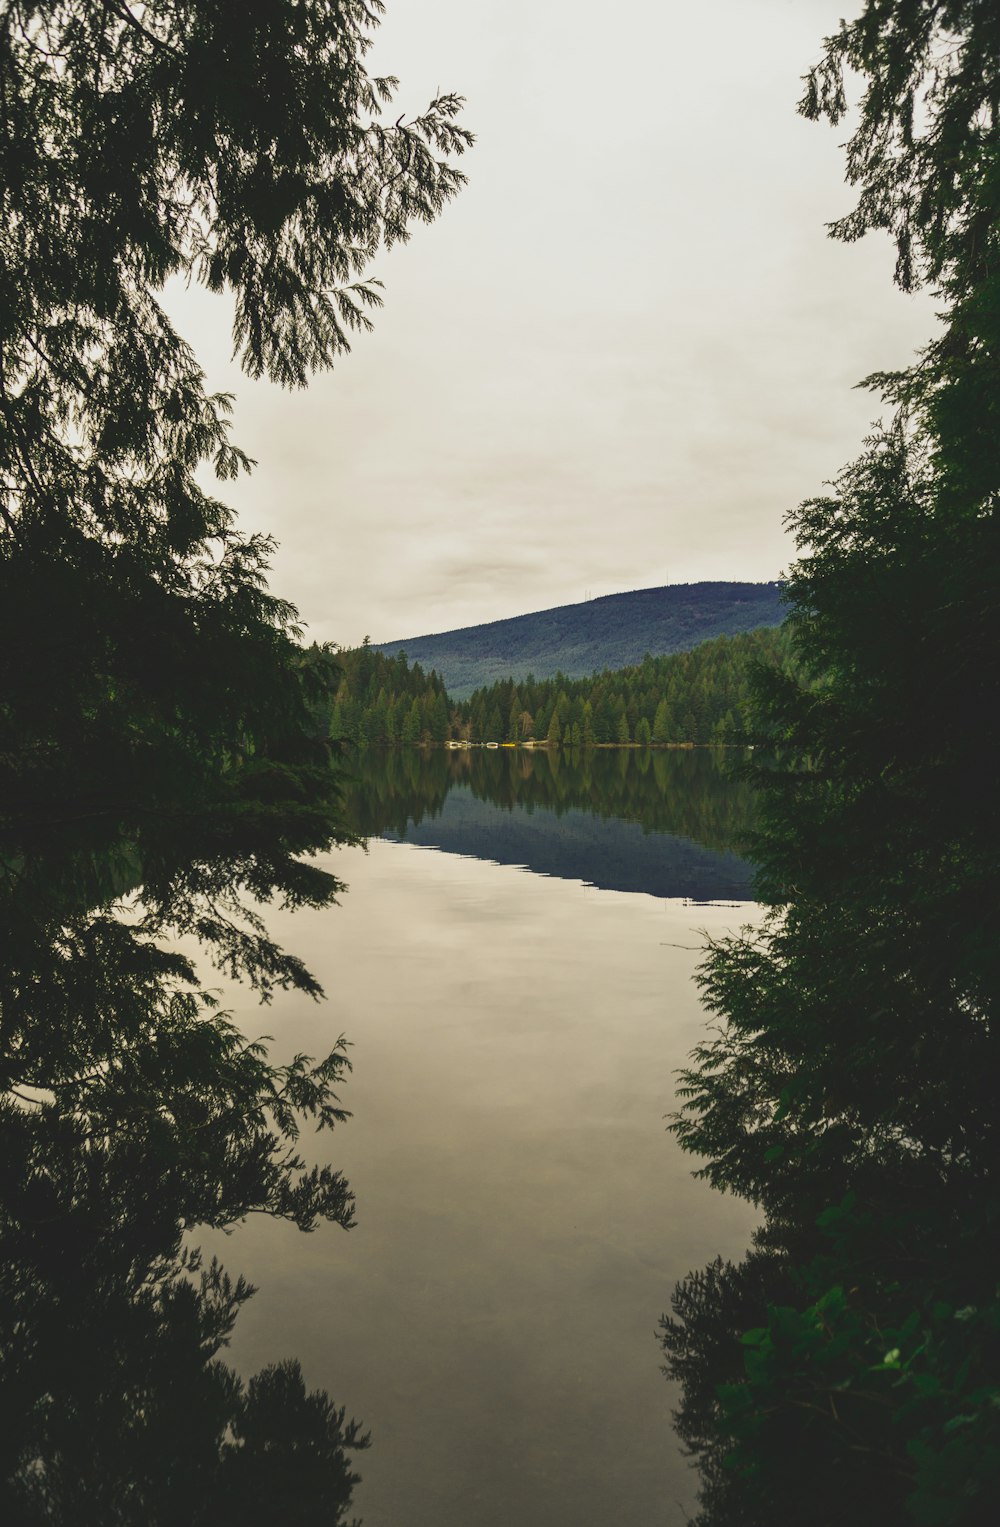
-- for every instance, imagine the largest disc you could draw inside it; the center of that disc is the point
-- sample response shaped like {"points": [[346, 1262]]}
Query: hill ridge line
{"points": [[613, 631], [580, 604]]}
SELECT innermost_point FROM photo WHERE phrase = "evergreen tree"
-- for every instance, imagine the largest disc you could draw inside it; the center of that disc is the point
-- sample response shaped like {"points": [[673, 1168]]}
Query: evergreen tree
{"points": [[252, 158], [167, 736], [849, 1369], [410, 732], [703, 685], [605, 719], [439, 724]]}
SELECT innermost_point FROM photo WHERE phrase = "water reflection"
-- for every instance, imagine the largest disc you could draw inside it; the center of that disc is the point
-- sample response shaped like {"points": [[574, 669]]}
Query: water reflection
{"points": [[131, 1111], [520, 1162], [664, 822], [522, 1212]]}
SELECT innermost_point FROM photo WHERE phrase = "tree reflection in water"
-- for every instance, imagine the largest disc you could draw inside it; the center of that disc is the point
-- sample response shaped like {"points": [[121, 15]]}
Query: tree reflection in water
{"points": [[133, 1111], [691, 792]]}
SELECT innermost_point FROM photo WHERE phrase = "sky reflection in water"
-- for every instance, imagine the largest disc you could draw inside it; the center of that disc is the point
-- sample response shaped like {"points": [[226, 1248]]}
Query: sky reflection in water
{"points": [[523, 1215]]}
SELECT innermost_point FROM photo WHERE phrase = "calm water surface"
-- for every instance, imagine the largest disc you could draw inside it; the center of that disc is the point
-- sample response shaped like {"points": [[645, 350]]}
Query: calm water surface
{"points": [[516, 1022]]}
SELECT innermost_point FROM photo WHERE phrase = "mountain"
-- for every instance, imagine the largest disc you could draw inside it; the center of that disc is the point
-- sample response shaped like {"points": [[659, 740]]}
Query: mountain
{"points": [[578, 639]]}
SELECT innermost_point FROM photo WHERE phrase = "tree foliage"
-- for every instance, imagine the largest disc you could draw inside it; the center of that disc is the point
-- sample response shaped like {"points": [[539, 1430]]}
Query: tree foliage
{"points": [[380, 700], [165, 766], [849, 1089], [116, 1406], [139, 145], [698, 696]]}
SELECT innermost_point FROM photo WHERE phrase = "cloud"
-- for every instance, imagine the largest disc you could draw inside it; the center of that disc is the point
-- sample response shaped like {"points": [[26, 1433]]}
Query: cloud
{"points": [[620, 357]]}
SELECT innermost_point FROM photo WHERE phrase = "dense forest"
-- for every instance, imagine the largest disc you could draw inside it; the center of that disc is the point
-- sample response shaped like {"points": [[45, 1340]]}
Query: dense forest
{"points": [[380, 701], [576, 640], [690, 697], [696, 696]]}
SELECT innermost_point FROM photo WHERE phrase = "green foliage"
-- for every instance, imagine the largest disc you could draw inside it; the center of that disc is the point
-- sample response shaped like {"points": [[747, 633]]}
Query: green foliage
{"points": [[371, 699], [697, 696], [154, 705], [849, 1089]]}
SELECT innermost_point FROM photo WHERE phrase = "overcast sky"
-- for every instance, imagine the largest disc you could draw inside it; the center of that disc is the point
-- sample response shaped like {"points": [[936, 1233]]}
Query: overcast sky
{"points": [[620, 356]]}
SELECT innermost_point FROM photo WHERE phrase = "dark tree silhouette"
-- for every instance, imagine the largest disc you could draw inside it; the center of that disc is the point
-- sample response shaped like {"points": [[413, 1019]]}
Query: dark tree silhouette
{"points": [[161, 734], [850, 1088]]}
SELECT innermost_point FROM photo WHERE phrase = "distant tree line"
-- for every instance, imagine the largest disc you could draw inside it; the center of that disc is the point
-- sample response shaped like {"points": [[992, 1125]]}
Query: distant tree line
{"points": [[696, 696], [689, 697], [381, 701]]}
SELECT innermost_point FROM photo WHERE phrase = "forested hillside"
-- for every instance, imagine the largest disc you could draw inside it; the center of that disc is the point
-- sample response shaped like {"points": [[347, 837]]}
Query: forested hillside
{"points": [[690, 697], [578, 639], [696, 696]]}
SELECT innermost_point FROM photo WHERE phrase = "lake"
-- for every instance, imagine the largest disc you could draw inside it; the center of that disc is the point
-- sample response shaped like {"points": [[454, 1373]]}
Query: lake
{"points": [[513, 966]]}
